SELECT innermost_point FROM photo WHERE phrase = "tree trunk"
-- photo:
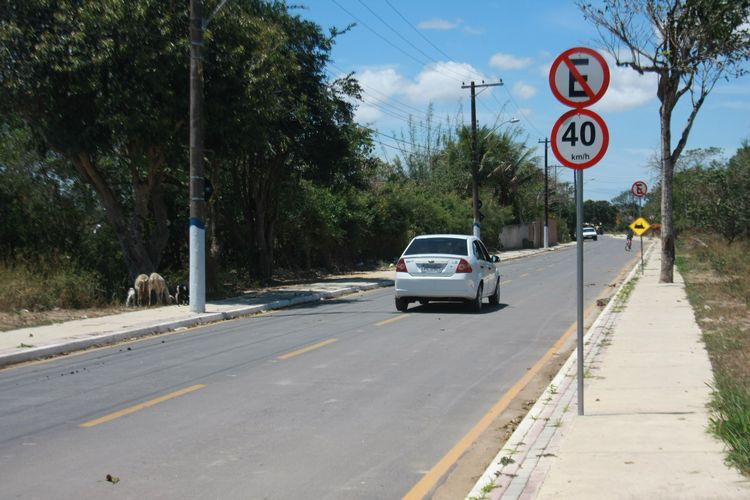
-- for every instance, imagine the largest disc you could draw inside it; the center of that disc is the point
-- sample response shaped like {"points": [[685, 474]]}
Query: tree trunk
{"points": [[141, 247], [666, 95]]}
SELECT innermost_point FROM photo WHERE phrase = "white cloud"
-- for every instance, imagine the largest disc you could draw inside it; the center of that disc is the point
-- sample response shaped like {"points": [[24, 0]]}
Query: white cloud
{"points": [[523, 90], [439, 82], [544, 69], [382, 81], [438, 24], [471, 30], [627, 89], [509, 61]]}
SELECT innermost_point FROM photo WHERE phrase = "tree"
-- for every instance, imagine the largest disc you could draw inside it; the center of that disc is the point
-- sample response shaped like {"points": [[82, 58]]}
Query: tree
{"points": [[104, 85], [689, 45], [275, 119]]}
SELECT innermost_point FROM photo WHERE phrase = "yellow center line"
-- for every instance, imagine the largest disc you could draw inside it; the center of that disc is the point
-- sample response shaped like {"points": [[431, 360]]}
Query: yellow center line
{"points": [[505, 282], [524, 275], [391, 320], [431, 478], [141, 406], [306, 349]]}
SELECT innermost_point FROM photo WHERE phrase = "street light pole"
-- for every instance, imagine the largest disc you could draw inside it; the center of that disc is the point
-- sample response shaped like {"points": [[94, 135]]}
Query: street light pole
{"points": [[475, 155], [197, 236]]}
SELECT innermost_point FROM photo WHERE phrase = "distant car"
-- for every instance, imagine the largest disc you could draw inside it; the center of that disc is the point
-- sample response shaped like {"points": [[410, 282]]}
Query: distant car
{"points": [[450, 267], [589, 232]]}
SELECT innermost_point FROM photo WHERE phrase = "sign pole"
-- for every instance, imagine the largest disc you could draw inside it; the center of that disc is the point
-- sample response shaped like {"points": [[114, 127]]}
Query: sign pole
{"points": [[640, 203], [579, 249], [579, 77]]}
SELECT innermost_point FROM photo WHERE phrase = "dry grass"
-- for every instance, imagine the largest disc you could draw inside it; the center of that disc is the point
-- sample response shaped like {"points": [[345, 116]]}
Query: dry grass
{"points": [[717, 276]]}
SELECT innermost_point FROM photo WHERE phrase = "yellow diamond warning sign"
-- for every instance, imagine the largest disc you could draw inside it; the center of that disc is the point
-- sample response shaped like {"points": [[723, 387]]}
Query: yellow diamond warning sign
{"points": [[640, 226]]}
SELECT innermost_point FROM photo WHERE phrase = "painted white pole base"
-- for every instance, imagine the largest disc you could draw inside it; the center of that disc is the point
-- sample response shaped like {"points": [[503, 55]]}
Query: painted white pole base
{"points": [[197, 268]]}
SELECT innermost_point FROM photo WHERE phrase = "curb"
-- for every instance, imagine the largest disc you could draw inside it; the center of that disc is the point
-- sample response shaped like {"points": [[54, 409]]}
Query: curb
{"points": [[526, 456], [71, 344]]}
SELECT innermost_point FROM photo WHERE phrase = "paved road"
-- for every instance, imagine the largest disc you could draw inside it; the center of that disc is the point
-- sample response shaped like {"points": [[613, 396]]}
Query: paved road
{"points": [[348, 399]]}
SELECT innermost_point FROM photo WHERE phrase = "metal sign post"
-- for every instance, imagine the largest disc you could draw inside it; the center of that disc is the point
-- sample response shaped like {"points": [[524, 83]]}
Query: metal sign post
{"points": [[639, 190], [579, 77], [579, 284], [640, 226]]}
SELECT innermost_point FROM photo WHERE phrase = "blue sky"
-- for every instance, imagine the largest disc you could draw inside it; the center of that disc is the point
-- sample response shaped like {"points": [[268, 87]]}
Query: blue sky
{"points": [[410, 54]]}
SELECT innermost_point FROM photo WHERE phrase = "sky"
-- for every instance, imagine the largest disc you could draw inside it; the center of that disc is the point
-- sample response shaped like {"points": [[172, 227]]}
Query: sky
{"points": [[409, 55]]}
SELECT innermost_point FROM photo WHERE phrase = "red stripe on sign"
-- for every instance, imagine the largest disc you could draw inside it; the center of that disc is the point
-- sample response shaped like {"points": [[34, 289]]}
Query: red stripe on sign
{"points": [[579, 78]]}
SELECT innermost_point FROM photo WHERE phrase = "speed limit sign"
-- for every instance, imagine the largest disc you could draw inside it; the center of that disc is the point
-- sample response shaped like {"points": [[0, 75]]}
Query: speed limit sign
{"points": [[579, 138]]}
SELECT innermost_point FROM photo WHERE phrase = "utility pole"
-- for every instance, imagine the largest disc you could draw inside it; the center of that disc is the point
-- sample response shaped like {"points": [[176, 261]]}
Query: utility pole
{"points": [[197, 237], [475, 155], [546, 193]]}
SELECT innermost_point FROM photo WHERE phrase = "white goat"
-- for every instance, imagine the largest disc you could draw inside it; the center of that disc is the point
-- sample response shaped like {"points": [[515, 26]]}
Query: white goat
{"points": [[130, 300], [142, 290], [158, 287]]}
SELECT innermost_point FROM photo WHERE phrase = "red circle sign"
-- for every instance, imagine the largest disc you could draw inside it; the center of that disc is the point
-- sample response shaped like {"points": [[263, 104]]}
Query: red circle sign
{"points": [[579, 138], [579, 77], [639, 189]]}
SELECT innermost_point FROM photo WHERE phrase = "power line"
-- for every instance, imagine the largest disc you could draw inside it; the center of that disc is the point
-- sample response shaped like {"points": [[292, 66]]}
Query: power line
{"points": [[378, 34]]}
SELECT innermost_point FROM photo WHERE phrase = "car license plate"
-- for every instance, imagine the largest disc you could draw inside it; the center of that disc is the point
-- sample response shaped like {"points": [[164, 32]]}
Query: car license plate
{"points": [[431, 268]]}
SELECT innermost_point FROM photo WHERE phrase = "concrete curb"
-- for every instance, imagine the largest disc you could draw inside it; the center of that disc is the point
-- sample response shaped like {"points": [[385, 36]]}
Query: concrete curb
{"points": [[71, 344], [527, 454]]}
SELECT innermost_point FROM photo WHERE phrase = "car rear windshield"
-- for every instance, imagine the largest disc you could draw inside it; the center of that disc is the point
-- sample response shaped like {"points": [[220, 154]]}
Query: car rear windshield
{"points": [[453, 246]]}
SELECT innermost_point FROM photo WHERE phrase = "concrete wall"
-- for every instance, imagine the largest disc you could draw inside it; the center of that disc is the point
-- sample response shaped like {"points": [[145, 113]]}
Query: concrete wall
{"points": [[530, 235]]}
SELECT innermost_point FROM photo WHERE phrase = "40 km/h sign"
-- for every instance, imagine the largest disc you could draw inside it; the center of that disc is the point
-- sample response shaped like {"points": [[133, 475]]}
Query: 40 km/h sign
{"points": [[579, 77], [579, 139]]}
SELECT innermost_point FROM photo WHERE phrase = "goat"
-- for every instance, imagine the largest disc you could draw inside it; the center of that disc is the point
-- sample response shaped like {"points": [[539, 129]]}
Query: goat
{"points": [[142, 290], [130, 300], [158, 288], [182, 297]]}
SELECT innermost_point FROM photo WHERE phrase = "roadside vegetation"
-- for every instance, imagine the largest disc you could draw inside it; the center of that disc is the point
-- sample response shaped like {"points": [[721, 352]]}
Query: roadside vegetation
{"points": [[94, 167], [717, 277]]}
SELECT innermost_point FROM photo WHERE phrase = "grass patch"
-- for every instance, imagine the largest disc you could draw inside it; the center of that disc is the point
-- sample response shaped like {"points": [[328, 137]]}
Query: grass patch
{"points": [[717, 279], [39, 286], [622, 297]]}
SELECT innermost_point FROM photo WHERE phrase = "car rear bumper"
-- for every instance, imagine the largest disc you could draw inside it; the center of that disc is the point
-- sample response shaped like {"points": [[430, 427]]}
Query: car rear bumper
{"points": [[454, 287]]}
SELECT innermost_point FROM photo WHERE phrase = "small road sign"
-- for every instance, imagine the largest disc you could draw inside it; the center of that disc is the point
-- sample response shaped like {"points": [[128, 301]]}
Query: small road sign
{"points": [[579, 77], [579, 138], [640, 226], [639, 189]]}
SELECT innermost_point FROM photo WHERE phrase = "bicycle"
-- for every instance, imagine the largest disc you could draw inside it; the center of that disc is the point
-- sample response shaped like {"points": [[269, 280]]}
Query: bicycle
{"points": [[628, 244]]}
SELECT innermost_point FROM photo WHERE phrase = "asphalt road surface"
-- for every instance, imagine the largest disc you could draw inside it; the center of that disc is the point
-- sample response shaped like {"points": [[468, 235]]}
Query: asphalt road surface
{"points": [[345, 399]]}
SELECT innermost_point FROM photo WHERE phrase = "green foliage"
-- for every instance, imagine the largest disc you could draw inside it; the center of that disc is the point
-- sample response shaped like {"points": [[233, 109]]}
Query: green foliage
{"points": [[731, 420], [715, 197], [599, 212]]}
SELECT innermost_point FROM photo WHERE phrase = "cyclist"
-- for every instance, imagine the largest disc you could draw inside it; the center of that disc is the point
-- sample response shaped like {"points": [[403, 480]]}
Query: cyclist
{"points": [[628, 239]]}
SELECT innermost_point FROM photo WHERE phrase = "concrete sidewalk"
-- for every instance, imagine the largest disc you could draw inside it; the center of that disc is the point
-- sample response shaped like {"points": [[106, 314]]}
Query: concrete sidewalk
{"points": [[643, 433], [31, 343]]}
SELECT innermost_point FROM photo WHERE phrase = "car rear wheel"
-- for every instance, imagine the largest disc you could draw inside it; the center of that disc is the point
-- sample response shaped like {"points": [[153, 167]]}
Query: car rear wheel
{"points": [[495, 297], [402, 304], [476, 304]]}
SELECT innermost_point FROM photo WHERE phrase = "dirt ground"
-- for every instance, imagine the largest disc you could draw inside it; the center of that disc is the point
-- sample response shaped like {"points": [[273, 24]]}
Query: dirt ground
{"points": [[25, 318]]}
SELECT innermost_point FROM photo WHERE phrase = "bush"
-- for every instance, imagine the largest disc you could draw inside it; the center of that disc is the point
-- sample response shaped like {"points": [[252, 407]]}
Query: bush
{"points": [[46, 285]]}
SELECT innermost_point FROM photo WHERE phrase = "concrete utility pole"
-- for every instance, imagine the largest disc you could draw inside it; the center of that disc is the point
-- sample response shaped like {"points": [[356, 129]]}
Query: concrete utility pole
{"points": [[197, 196], [545, 141], [475, 155]]}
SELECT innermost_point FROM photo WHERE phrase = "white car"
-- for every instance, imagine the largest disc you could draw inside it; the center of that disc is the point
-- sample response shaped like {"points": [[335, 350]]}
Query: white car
{"points": [[589, 232], [447, 267]]}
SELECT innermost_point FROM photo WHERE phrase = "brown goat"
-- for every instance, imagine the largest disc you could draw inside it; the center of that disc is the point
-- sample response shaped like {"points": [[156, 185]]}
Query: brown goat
{"points": [[142, 290], [158, 288]]}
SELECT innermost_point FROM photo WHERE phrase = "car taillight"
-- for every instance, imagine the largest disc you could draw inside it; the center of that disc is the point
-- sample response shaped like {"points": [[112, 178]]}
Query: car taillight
{"points": [[463, 266], [401, 266]]}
